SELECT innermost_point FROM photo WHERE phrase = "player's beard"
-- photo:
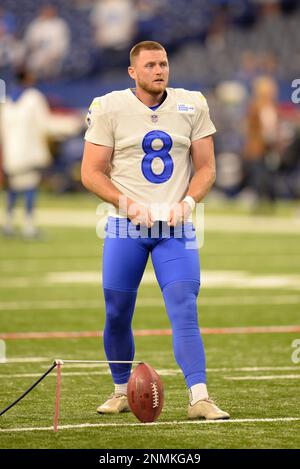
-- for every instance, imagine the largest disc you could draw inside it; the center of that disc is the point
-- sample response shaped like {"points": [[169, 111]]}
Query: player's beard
{"points": [[152, 89]]}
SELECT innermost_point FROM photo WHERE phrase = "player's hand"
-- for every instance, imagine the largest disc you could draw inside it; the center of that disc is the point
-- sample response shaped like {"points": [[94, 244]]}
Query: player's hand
{"points": [[179, 214], [140, 215]]}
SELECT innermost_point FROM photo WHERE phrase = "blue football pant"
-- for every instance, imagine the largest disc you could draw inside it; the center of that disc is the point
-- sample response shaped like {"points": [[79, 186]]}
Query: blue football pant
{"points": [[29, 196], [178, 273]]}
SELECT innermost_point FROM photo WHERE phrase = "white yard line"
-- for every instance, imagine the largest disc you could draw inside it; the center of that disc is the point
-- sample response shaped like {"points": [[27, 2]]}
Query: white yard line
{"points": [[251, 224], [27, 360], [262, 378], [233, 279], [65, 374], [154, 424], [221, 223], [209, 279], [34, 266], [168, 372], [150, 302], [17, 360]]}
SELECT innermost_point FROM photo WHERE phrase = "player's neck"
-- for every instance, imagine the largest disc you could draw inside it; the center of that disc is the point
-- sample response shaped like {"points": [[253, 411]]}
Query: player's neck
{"points": [[148, 99]]}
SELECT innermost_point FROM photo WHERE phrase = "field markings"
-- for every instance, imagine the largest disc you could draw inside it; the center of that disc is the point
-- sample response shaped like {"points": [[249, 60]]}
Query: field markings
{"points": [[26, 360], [153, 424], [34, 266], [17, 360], [209, 279], [65, 373], [262, 378], [221, 223], [151, 332], [169, 372], [150, 302], [233, 279]]}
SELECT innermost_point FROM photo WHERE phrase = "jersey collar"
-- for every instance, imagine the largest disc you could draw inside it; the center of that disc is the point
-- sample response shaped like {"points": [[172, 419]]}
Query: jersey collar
{"points": [[143, 106]]}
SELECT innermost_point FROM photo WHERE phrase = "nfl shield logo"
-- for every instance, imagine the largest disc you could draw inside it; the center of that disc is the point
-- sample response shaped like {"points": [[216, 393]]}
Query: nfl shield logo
{"points": [[154, 118]]}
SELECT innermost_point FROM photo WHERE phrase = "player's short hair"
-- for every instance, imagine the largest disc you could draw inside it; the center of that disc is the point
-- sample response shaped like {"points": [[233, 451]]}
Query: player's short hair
{"points": [[144, 45]]}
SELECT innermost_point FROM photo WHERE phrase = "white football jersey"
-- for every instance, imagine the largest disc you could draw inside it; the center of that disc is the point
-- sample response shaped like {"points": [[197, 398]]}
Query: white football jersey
{"points": [[151, 160]]}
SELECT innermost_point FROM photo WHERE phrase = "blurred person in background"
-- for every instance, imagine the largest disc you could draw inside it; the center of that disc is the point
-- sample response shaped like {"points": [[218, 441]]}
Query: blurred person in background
{"points": [[248, 67], [6, 39], [114, 24], [262, 138], [47, 42], [26, 125], [11, 49], [228, 110]]}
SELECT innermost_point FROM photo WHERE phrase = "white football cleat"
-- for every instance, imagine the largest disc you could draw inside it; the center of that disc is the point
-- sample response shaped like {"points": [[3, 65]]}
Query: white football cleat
{"points": [[206, 409], [115, 404]]}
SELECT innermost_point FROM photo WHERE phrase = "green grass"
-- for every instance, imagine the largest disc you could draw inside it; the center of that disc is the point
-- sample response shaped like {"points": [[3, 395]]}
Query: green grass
{"points": [[27, 304]]}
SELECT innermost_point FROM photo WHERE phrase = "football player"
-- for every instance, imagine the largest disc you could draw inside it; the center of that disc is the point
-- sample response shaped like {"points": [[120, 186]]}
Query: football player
{"points": [[149, 152]]}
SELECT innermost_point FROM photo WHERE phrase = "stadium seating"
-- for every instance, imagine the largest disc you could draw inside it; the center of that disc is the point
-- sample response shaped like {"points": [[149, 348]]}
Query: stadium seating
{"points": [[185, 28]]}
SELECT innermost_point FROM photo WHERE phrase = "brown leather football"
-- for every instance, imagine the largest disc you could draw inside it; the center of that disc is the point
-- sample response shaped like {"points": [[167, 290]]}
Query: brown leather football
{"points": [[145, 393]]}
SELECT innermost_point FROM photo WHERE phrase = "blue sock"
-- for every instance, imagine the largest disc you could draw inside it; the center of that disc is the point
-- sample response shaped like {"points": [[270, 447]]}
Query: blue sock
{"points": [[30, 199], [11, 201], [118, 337], [181, 303]]}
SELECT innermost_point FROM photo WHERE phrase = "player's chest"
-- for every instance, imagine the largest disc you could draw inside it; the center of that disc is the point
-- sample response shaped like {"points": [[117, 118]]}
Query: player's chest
{"points": [[137, 129]]}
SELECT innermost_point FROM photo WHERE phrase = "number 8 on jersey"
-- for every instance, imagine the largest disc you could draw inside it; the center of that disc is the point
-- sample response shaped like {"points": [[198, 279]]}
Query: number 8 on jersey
{"points": [[162, 153]]}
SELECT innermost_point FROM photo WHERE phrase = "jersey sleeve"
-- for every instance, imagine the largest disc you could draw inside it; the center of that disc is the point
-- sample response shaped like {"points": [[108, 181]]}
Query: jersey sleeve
{"points": [[99, 128], [203, 125]]}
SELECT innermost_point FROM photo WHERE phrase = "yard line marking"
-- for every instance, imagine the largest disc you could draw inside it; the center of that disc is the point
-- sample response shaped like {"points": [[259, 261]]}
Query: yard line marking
{"points": [[152, 424], [168, 372], [34, 264], [148, 302], [16, 360], [251, 224], [65, 373], [233, 279], [261, 378], [257, 368], [151, 332], [210, 279], [221, 223], [82, 373], [27, 360]]}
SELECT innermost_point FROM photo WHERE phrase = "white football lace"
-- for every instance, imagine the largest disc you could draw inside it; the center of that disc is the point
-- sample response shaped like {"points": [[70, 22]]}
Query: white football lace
{"points": [[155, 395]]}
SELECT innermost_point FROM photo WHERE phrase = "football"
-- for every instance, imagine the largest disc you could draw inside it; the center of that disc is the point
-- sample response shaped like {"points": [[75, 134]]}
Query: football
{"points": [[145, 393]]}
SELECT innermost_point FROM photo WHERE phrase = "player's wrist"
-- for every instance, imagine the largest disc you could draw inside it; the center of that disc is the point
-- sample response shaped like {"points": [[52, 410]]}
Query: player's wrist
{"points": [[190, 201]]}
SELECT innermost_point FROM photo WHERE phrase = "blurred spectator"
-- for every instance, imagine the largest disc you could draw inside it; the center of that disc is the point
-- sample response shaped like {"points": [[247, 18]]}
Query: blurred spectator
{"points": [[228, 109], [268, 64], [47, 42], [262, 138], [149, 19], [215, 39], [7, 22], [114, 23], [248, 68], [25, 128], [290, 166], [9, 46]]}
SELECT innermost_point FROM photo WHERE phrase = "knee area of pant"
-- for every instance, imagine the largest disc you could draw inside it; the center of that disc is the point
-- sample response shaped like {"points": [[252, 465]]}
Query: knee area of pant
{"points": [[119, 306], [181, 304], [181, 293]]}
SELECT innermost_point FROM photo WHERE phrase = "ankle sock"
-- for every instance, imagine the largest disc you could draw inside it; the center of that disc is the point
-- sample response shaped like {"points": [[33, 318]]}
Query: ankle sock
{"points": [[197, 393]]}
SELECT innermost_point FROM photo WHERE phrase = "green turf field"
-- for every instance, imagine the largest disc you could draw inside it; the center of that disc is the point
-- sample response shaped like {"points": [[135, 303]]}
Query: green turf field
{"points": [[250, 279]]}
